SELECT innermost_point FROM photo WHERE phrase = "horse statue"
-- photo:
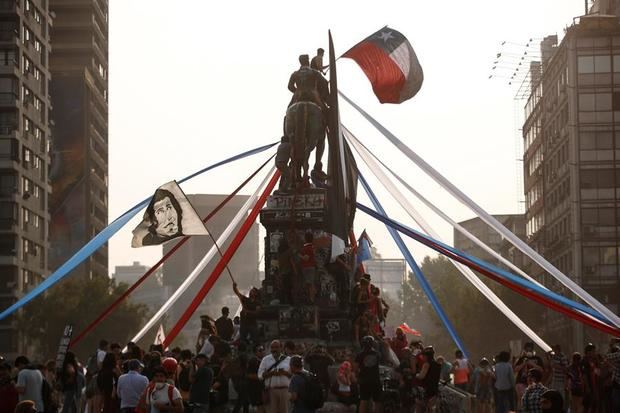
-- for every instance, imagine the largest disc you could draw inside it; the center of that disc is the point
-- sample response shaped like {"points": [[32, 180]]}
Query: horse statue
{"points": [[304, 128]]}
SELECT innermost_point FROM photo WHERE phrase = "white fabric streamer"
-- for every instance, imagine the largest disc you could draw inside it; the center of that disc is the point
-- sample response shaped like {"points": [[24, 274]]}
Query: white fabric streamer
{"points": [[242, 214], [488, 218], [453, 223], [467, 272]]}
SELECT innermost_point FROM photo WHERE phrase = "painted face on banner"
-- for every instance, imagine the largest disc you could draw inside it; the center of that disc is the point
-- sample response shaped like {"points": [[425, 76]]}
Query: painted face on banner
{"points": [[167, 218]]}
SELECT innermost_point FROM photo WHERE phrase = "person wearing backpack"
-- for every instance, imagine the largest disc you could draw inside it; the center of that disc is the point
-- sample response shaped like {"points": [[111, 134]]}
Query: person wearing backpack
{"points": [[305, 389], [162, 397]]}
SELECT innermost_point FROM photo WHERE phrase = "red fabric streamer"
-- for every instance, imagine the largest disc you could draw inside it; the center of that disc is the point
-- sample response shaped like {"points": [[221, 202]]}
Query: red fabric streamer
{"points": [[583, 318], [223, 262], [146, 275]]}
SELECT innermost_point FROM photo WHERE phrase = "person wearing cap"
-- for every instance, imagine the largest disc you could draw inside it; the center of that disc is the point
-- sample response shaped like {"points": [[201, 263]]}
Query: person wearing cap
{"points": [[531, 400], [130, 386]]}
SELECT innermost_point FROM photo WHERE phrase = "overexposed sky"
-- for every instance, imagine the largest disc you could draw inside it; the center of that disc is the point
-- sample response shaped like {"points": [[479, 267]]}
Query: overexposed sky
{"points": [[195, 81]]}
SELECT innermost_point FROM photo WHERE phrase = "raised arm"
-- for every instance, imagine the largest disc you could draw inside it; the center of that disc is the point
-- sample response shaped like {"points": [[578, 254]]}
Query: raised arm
{"points": [[236, 291]]}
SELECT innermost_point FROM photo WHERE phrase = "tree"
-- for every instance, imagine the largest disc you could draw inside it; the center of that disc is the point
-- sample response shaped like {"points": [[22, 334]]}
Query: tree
{"points": [[78, 301], [481, 326]]}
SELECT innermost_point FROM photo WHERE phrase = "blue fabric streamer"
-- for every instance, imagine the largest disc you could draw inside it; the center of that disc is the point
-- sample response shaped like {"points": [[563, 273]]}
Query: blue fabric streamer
{"points": [[426, 240], [107, 233], [416, 269]]}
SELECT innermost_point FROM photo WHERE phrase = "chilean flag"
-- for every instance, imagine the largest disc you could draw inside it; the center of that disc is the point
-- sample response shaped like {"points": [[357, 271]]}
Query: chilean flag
{"points": [[408, 330], [391, 65]]}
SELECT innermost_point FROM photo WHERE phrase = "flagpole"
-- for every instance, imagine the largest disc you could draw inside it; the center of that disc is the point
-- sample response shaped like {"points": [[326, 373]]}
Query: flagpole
{"points": [[219, 251]]}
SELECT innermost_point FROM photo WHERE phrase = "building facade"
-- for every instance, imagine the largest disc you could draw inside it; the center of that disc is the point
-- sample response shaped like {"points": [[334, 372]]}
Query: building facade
{"points": [[151, 293], [79, 90], [244, 265], [24, 155], [572, 164], [486, 234], [388, 274]]}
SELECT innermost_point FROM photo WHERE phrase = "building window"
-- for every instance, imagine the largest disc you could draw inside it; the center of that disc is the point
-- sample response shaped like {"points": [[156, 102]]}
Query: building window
{"points": [[9, 149], [599, 183], [8, 215], [8, 57], [594, 64], [595, 108], [596, 146], [595, 102], [8, 183], [7, 245]]}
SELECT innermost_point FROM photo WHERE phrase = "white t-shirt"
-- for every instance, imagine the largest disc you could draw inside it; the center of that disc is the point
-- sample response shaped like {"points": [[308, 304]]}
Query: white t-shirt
{"points": [[32, 382], [100, 356], [160, 394], [274, 381], [207, 348]]}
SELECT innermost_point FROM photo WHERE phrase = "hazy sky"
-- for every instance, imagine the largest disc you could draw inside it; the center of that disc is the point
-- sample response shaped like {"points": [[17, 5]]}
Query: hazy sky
{"points": [[195, 81]]}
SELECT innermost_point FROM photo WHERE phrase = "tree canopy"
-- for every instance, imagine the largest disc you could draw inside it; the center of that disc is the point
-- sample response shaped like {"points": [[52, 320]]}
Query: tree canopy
{"points": [[78, 301]]}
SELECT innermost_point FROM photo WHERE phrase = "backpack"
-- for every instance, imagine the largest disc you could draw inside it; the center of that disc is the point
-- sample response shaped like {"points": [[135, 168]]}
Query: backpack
{"points": [[312, 396], [143, 402], [92, 366], [49, 403]]}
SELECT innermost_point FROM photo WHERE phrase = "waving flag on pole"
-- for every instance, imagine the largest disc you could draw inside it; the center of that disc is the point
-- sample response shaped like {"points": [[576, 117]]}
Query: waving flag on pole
{"points": [[391, 65], [160, 338], [364, 252], [169, 215]]}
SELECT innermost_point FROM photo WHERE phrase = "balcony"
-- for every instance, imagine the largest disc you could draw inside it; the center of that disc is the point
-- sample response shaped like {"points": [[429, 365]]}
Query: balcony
{"points": [[8, 6], [7, 129], [8, 99], [9, 35], [9, 67]]}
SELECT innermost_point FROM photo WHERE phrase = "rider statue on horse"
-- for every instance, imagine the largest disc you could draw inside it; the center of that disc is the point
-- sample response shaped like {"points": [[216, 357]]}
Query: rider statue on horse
{"points": [[304, 127]]}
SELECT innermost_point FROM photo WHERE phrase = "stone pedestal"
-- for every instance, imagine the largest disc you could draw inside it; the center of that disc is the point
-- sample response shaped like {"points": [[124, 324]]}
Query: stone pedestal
{"points": [[287, 312]]}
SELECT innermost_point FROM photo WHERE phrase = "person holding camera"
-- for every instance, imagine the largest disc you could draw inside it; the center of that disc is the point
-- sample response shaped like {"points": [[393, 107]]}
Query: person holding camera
{"points": [[274, 370], [527, 362]]}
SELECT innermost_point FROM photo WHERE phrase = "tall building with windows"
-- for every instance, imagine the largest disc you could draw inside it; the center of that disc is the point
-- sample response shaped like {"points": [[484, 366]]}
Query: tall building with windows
{"points": [[24, 156], [572, 163], [79, 91]]}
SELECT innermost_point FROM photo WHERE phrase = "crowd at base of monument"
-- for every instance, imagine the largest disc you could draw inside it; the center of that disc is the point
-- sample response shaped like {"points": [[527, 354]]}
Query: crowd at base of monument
{"points": [[229, 373]]}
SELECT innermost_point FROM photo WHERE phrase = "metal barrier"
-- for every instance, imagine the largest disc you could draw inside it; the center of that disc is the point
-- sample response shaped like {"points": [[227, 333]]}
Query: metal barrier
{"points": [[453, 400]]}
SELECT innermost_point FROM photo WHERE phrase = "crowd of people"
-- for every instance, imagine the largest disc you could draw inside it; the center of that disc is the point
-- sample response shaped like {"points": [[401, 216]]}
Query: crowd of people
{"points": [[229, 375]]}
